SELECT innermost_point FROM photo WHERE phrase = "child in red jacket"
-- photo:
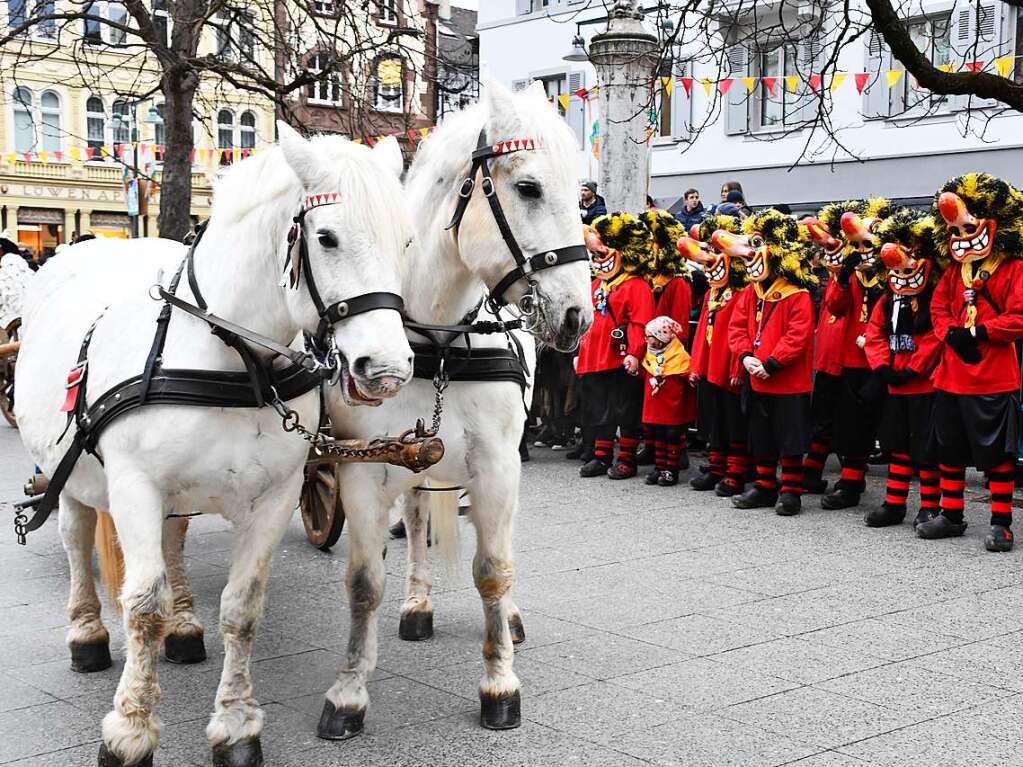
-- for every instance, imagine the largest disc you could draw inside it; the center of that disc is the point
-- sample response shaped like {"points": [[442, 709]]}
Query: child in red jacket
{"points": [[859, 286], [666, 364], [977, 310], [902, 348], [609, 355], [714, 368], [771, 332]]}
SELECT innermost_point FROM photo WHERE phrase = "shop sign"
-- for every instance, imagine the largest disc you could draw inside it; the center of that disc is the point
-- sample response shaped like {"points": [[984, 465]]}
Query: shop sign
{"points": [[71, 193]]}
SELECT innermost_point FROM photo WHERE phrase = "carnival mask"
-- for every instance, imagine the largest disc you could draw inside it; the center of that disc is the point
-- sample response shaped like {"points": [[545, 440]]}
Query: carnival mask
{"points": [[833, 255], [754, 252], [715, 265], [860, 236], [605, 263], [970, 238], [907, 276]]}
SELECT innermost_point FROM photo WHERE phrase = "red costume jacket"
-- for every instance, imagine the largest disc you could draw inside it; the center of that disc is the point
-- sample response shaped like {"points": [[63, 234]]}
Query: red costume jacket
{"points": [[998, 369], [716, 361], [922, 361], [675, 402], [786, 339], [848, 303], [632, 305], [676, 301], [827, 355]]}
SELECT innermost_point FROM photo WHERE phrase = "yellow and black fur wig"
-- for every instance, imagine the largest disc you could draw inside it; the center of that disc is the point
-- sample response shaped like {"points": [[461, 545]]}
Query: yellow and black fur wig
{"points": [[988, 197], [790, 258], [831, 215], [736, 266], [666, 230], [628, 235], [915, 230]]}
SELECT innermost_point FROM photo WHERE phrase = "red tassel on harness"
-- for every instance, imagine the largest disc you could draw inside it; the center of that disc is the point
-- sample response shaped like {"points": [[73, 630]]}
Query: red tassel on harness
{"points": [[74, 379]]}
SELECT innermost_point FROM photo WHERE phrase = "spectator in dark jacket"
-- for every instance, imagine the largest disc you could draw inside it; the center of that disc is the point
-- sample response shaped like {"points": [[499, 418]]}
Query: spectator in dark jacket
{"points": [[692, 212], [591, 204]]}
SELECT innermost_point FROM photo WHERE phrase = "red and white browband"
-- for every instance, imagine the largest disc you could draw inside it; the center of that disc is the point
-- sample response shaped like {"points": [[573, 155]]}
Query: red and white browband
{"points": [[516, 145], [316, 200]]}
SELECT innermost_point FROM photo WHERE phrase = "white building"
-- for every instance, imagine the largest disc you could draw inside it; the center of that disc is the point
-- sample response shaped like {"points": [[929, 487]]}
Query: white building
{"points": [[754, 136]]}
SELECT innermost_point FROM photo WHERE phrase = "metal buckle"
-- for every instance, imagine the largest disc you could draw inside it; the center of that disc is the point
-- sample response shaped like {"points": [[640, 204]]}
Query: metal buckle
{"points": [[487, 186], [80, 369], [527, 305], [465, 190]]}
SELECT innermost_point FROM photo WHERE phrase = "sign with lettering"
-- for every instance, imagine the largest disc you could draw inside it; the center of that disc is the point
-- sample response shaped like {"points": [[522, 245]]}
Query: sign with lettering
{"points": [[58, 192]]}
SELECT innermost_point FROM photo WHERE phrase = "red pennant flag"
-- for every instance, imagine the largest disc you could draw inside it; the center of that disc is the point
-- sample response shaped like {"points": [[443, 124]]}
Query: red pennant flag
{"points": [[162, 149], [724, 85], [975, 66], [581, 93], [191, 159], [28, 157], [861, 79], [769, 83], [245, 152], [411, 136], [90, 152], [814, 82], [58, 155], [687, 85], [370, 141]]}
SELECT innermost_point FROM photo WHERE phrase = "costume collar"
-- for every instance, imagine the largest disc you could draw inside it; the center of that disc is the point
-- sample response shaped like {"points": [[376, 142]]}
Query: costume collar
{"points": [[718, 297], [868, 282], [615, 281], [987, 268], [780, 289], [669, 361], [660, 281]]}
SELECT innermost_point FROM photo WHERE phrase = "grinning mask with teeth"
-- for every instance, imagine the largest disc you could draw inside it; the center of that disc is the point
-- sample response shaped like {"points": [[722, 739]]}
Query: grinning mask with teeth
{"points": [[909, 252], [776, 248], [619, 242], [831, 248], [978, 215], [827, 232], [718, 265]]}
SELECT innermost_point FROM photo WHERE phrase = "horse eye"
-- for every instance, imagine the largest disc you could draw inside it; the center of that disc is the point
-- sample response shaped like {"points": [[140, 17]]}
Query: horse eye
{"points": [[529, 189], [327, 239]]}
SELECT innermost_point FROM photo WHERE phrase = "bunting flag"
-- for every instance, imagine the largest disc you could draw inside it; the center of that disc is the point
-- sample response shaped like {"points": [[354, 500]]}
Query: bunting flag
{"points": [[667, 83], [791, 83], [707, 85], [861, 79], [563, 99], [836, 80], [58, 155], [687, 85], [750, 83], [814, 81], [12, 158], [424, 132], [581, 93], [725, 85], [975, 66], [770, 83], [193, 155], [893, 76], [44, 157], [1004, 65], [950, 67]]}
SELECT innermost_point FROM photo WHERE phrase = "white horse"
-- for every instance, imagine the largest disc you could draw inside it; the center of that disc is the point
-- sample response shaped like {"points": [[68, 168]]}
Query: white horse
{"points": [[237, 462], [450, 271]]}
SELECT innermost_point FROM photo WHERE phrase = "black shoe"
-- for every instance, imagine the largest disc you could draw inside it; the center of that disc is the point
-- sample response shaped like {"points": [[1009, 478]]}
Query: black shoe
{"points": [[788, 505], [727, 488], [645, 455], [683, 461], [523, 451], [397, 530], [575, 453], [622, 470], [593, 468], [652, 476], [703, 468], [814, 485], [705, 481], [840, 498], [880, 458], [668, 478], [999, 539], [924, 515], [886, 516], [940, 527], [755, 498]]}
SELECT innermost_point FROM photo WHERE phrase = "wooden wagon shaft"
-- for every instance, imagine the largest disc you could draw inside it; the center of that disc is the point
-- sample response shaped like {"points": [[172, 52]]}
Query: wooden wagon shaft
{"points": [[414, 453], [6, 350]]}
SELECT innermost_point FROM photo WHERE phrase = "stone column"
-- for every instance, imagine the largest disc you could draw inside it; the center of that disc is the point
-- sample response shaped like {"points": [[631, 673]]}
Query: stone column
{"points": [[84, 221], [12, 220], [625, 57], [69, 224]]}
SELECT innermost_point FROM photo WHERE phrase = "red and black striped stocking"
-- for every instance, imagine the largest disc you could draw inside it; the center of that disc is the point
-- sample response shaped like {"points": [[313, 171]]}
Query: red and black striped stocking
{"points": [[853, 472], [930, 491], [813, 464], [953, 481], [737, 464], [767, 474], [627, 450], [1001, 482], [792, 474], [900, 475]]}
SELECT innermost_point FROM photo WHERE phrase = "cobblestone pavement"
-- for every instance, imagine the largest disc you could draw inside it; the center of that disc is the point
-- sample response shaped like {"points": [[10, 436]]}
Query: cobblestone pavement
{"points": [[664, 627]]}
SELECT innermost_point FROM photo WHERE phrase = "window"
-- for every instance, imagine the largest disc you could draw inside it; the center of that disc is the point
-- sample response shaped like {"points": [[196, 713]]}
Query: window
{"points": [[225, 135], [664, 99], [555, 85], [388, 11], [235, 34], [1017, 72], [47, 28], [16, 13], [161, 21], [327, 88], [324, 7], [95, 123], [932, 36], [51, 121], [117, 14], [247, 131], [122, 122], [775, 106], [160, 130], [388, 90], [24, 123], [93, 25]]}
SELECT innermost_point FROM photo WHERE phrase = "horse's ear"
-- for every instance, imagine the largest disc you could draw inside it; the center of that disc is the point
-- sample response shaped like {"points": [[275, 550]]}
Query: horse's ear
{"points": [[503, 118], [537, 91], [388, 155], [299, 155]]}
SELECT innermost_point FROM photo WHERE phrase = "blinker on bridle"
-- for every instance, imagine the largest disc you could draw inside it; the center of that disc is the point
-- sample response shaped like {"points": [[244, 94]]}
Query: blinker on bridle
{"points": [[525, 267]]}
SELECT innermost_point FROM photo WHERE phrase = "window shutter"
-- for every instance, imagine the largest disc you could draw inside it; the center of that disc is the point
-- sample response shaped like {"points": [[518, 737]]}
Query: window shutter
{"points": [[736, 106], [977, 35], [681, 107], [811, 57], [520, 85], [875, 94], [522, 7], [576, 115]]}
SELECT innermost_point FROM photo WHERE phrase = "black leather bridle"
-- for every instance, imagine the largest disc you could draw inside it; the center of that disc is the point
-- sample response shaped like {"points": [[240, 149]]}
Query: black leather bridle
{"points": [[525, 267]]}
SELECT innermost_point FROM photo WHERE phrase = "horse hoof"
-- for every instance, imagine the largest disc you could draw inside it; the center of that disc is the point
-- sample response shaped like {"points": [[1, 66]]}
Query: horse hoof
{"points": [[339, 724], [89, 657], [518, 631], [501, 712], [246, 752], [108, 759], [184, 649], [416, 626]]}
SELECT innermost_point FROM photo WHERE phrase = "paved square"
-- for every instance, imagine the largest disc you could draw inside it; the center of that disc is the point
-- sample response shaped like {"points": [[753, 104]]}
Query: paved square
{"points": [[663, 627]]}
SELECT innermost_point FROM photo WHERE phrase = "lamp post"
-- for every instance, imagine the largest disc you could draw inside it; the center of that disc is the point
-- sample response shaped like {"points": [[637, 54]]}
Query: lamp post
{"points": [[120, 122]]}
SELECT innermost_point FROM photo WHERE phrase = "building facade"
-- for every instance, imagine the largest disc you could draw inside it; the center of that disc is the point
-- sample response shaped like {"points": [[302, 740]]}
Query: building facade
{"points": [[891, 138]]}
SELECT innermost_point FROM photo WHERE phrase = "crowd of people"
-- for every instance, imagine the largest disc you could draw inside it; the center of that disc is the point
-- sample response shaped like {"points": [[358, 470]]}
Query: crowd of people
{"points": [[867, 324]]}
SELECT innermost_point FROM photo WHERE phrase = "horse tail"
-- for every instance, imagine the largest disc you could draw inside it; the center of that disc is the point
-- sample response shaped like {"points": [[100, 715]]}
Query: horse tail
{"points": [[443, 516], [111, 557]]}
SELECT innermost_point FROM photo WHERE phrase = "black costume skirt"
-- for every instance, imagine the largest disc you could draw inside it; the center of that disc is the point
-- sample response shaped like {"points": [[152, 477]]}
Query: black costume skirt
{"points": [[611, 400], [860, 404], [823, 404], [719, 417], [779, 424], [975, 429], [906, 426]]}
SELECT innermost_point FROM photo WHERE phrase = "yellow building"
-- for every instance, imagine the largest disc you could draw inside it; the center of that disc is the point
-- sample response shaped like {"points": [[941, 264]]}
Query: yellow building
{"points": [[72, 131]]}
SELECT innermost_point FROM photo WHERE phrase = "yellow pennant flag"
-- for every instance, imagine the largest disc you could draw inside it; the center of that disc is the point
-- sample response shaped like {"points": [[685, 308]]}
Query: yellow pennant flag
{"points": [[563, 100], [837, 79], [424, 132], [667, 82], [76, 154], [893, 76], [791, 83], [1004, 65], [12, 158], [220, 156], [951, 67], [356, 140], [750, 83], [707, 85], [44, 157]]}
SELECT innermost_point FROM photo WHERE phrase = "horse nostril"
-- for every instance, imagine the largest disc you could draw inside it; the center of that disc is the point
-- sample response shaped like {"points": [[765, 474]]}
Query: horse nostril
{"points": [[361, 366], [573, 319]]}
